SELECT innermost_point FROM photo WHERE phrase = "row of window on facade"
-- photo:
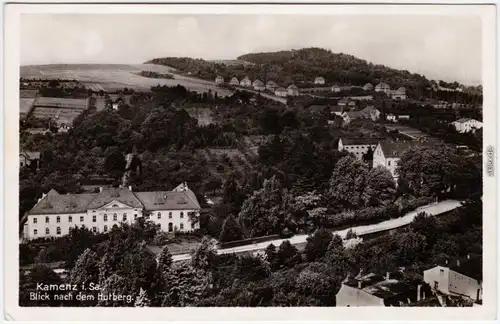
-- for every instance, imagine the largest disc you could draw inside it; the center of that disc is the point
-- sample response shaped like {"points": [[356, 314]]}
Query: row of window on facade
{"points": [[94, 229], [94, 218]]}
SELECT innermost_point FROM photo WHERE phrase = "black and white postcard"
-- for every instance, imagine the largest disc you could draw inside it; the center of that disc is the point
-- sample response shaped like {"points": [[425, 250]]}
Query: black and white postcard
{"points": [[250, 162]]}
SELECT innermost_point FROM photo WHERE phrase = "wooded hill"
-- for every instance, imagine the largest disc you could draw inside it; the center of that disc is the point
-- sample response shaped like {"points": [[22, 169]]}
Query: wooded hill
{"points": [[301, 67]]}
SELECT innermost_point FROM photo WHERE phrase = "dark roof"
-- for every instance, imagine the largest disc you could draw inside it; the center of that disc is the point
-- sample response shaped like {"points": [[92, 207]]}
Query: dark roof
{"points": [[360, 141], [107, 195], [167, 200], [471, 266], [395, 148], [336, 108], [378, 285], [54, 203]]}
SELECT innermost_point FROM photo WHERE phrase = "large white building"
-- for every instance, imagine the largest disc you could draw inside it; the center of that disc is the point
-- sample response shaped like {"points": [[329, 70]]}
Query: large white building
{"points": [[457, 277], [387, 154], [465, 125], [55, 214], [358, 146]]}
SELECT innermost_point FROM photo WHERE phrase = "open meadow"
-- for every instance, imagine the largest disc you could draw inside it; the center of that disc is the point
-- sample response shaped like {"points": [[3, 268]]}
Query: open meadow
{"points": [[111, 77]]}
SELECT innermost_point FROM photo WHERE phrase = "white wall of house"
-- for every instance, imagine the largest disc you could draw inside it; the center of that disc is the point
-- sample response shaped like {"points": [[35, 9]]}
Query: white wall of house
{"points": [[357, 150], [174, 220], [452, 283], [47, 225], [389, 163], [351, 297], [464, 127]]}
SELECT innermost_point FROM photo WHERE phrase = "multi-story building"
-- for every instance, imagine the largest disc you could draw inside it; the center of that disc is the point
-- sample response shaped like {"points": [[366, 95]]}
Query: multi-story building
{"points": [[465, 125], [388, 154], [358, 146], [55, 214], [457, 277]]}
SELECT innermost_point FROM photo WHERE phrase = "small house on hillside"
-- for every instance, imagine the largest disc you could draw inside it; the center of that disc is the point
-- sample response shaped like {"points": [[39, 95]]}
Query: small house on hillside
{"points": [[465, 125], [281, 92], [368, 87], [383, 87], [219, 80], [319, 80], [27, 158], [271, 86], [399, 94], [293, 90], [370, 112], [258, 85], [391, 118], [336, 88], [245, 82], [234, 82]]}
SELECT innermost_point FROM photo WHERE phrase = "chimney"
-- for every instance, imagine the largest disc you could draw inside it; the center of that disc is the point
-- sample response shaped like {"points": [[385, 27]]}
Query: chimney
{"points": [[100, 189], [419, 292], [468, 256], [458, 263], [387, 275], [360, 284], [185, 186], [130, 188], [446, 261]]}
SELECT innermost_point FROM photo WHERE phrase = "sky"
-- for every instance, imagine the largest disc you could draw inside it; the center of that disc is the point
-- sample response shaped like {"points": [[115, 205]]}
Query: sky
{"points": [[439, 47]]}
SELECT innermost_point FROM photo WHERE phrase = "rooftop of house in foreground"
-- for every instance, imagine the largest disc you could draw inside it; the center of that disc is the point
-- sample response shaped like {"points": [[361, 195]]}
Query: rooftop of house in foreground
{"points": [[381, 286]]}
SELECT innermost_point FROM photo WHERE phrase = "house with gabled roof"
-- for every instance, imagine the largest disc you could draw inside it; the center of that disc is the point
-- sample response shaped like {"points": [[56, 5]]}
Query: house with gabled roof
{"points": [[465, 125], [399, 94], [271, 86], [336, 88], [258, 85], [246, 82], [457, 276], [54, 214], [219, 80], [383, 87], [319, 80], [368, 87], [292, 90], [234, 81], [388, 153], [281, 92], [26, 158]]}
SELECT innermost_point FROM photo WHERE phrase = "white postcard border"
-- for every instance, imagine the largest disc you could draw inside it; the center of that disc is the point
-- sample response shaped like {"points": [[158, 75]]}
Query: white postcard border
{"points": [[11, 182]]}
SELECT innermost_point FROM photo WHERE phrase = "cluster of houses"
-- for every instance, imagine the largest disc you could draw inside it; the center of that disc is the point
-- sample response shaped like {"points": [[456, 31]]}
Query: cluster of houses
{"points": [[399, 94], [459, 278], [258, 85], [54, 214]]}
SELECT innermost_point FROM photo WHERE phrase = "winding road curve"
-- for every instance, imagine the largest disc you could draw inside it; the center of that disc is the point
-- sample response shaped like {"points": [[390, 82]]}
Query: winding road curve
{"points": [[434, 209]]}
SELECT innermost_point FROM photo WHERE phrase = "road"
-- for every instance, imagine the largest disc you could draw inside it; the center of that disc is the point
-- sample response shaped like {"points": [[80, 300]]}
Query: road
{"points": [[434, 209]]}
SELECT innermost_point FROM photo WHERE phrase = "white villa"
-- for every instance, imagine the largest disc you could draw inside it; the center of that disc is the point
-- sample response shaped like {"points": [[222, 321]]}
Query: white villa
{"points": [[219, 80], [465, 125], [388, 154], [55, 214], [319, 80]]}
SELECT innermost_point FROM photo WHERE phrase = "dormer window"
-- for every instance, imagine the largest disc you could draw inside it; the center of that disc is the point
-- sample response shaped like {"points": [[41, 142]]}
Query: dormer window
{"points": [[115, 206]]}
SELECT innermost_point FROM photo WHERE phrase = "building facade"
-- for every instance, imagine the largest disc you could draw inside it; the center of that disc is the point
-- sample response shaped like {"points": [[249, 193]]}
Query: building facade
{"points": [[383, 87], [55, 214], [399, 94], [465, 125], [387, 154], [245, 82], [358, 146], [234, 82], [258, 85], [319, 80], [457, 277], [219, 80], [292, 90]]}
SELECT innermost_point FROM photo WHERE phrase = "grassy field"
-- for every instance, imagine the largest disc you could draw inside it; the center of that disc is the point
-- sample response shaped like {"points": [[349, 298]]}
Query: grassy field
{"points": [[111, 77]]}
